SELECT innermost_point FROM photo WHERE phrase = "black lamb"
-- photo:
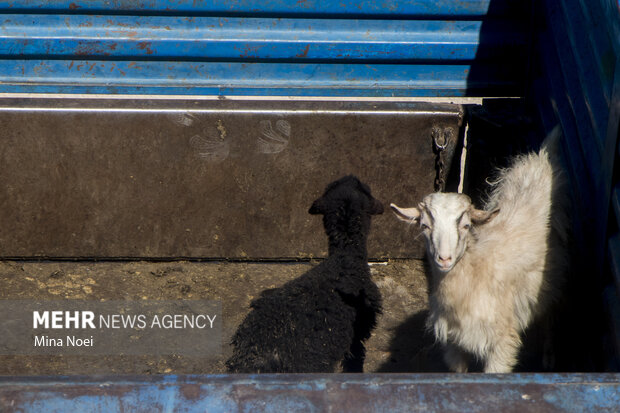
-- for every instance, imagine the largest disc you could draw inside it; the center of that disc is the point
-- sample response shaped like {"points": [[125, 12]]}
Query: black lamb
{"points": [[319, 320]]}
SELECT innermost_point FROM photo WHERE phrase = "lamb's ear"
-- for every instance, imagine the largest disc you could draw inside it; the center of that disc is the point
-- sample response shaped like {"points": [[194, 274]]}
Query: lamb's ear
{"points": [[481, 217], [318, 207], [409, 215], [376, 208]]}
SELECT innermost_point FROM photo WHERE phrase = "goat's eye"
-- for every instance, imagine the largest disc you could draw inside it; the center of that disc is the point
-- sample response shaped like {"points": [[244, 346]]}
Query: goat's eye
{"points": [[424, 227], [466, 226]]}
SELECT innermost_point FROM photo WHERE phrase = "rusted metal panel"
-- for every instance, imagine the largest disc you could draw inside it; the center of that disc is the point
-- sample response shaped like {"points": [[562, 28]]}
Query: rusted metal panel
{"points": [[316, 393], [204, 179]]}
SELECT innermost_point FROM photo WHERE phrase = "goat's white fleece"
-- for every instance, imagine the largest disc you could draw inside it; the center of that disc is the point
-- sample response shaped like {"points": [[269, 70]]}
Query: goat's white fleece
{"points": [[512, 268]]}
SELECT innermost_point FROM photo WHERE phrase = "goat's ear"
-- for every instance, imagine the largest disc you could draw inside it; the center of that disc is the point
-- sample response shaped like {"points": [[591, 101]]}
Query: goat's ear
{"points": [[376, 207], [481, 217], [409, 215], [318, 207]]}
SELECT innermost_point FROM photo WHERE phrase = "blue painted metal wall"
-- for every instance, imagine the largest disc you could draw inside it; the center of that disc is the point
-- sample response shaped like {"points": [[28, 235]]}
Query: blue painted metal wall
{"points": [[577, 83], [327, 48]]}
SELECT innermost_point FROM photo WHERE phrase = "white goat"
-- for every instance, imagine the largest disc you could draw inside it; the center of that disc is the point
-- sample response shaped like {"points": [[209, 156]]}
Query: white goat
{"points": [[495, 270]]}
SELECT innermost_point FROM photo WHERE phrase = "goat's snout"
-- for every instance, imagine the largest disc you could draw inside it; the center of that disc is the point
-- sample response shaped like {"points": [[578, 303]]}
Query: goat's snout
{"points": [[444, 263], [443, 260]]}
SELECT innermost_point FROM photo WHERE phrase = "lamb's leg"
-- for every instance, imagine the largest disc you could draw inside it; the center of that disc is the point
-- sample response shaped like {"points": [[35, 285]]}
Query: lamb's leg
{"points": [[354, 361], [456, 359], [503, 354]]}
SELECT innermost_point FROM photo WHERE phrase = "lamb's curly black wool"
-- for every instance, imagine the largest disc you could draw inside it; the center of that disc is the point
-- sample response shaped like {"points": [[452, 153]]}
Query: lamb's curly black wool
{"points": [[319, 320]]}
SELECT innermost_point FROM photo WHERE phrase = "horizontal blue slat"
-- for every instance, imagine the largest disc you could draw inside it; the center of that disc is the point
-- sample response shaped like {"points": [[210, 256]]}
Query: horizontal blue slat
{"points": [[151, 37], [316, 393], [463, 8], [170, 77]]}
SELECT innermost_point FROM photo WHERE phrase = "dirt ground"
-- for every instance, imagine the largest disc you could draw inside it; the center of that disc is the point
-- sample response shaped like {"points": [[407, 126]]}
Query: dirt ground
{"points": [[398, 344]]}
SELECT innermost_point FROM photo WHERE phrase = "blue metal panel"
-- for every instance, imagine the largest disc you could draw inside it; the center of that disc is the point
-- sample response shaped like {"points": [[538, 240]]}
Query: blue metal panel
{"points": [[572, 88], [337, 48], [156, 37], [578, 55], [601, 44], [579, 103], [614, 255], [316, 393], [469, 8], [560, 103], [593, 88], [92, 76], [613, 133]]}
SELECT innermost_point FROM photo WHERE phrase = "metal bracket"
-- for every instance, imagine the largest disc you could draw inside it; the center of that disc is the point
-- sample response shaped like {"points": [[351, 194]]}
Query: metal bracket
{"points": [[441, 140]]}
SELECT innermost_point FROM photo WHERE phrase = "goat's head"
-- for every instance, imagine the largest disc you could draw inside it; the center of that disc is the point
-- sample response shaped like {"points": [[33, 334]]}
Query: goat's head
{"points": [[446, 221]]}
